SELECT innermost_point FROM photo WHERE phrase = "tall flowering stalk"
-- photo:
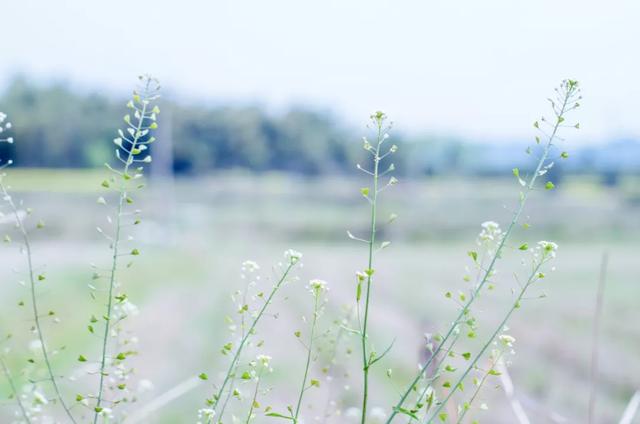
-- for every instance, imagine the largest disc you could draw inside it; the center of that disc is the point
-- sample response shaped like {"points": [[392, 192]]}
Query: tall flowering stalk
{"points": [[567, 99], [33, 277], [131, 151], [381, 128]]}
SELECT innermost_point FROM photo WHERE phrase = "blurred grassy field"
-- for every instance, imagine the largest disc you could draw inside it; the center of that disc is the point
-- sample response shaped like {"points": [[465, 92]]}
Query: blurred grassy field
{"points": [[196, 233]]}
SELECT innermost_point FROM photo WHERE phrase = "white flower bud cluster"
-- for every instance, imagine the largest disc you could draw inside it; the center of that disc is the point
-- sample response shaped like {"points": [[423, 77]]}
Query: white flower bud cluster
{"points": [[318, 287]]}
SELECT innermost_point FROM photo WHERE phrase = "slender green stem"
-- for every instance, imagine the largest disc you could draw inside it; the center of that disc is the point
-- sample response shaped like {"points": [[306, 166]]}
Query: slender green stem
{"points": [[14, 390], [476, 392], [489, 272], [255, 397], [533, 277], [114, 259], [233, 372], [236, 356], [34, 301], [304, 387], [372, 240]]}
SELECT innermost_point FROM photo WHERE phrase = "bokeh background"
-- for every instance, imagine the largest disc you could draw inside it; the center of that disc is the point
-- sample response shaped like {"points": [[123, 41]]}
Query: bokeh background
{"points": [[263, 111]]}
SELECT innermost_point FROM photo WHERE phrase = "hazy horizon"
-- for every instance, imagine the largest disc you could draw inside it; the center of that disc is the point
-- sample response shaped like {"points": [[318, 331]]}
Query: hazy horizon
{"points": [[479, 72]]}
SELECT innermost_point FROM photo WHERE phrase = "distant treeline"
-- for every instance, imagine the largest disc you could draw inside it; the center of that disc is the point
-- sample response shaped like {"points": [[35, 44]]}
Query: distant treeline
{"points": [[59, 127]]}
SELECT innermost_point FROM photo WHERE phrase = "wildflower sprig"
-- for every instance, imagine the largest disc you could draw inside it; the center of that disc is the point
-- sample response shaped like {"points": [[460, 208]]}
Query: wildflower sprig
{"points": [[292, 258], [241, 299], [318, 288], [261, 365], [544, 252], [33, 277], [131, 151], [567, 99], [496, 356], [365, 278]]}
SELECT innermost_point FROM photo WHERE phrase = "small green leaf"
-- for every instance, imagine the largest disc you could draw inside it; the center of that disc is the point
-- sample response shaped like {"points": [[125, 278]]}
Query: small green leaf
{"points": [[549, 185], [203, 376], [278, 415]]}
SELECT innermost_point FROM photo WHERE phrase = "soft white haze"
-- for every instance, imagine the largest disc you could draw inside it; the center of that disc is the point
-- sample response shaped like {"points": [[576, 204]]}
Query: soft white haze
{"points": [[477, 69]]}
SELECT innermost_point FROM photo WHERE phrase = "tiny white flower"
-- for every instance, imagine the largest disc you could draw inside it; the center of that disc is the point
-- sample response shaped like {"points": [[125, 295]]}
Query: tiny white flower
{"points": [[129, 308], [39, 398], [490, 232], [292, 256], [250, 266], [548, 248], [507, 340], [317, 287]]}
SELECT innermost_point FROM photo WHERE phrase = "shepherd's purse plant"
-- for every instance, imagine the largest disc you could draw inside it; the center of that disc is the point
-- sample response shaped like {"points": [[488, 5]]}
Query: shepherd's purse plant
{"points": [[445, 387]]}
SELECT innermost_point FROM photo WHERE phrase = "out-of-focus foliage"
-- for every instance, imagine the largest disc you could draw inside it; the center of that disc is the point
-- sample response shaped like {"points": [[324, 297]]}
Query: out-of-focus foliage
{"points": [[62, 127]]}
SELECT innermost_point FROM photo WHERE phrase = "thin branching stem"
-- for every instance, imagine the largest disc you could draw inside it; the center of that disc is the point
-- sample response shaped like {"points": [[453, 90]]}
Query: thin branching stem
{"points": [[304, 387], [568, 95], [34, 301], [516, 304], [14, 390], [254, 398], [248, 334], [478, 388]]}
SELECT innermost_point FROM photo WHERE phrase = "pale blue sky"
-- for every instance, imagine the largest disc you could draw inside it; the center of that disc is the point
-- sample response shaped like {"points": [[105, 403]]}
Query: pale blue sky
{"points": [[477, 69]]}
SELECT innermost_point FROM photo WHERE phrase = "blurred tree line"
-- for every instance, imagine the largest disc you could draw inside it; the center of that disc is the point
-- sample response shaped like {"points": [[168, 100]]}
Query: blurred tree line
{"points": [[56, 126]]}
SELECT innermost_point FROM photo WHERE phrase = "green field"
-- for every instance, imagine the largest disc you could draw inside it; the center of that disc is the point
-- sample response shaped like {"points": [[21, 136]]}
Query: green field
{"points": [[196, 233]]}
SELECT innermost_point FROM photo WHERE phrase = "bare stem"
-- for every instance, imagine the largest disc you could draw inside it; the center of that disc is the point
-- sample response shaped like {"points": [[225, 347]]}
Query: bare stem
{"points": [[595, 348]]}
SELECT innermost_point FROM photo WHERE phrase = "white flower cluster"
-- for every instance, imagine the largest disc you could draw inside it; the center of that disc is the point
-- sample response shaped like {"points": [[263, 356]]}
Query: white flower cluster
{"points": [[548, 249], [490, 232], [205, 415], [292, 256], [250, 266], [261, 361], [507, 340], [317, 287]]}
